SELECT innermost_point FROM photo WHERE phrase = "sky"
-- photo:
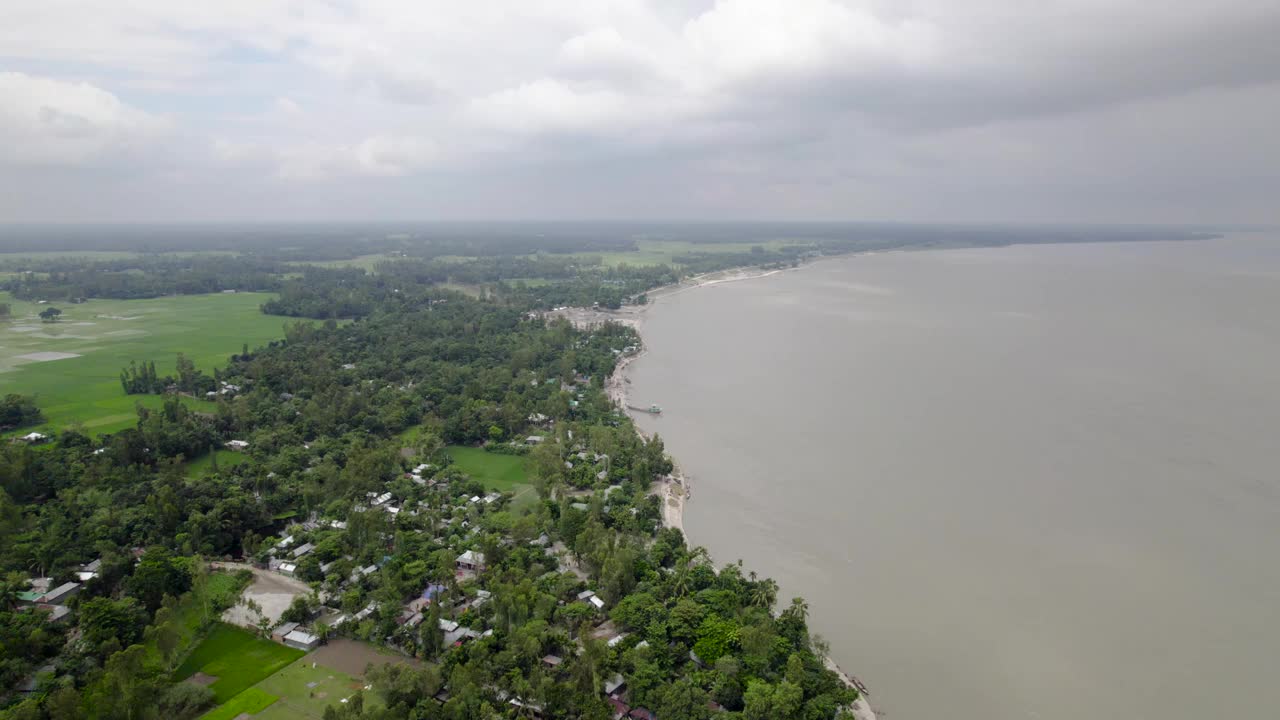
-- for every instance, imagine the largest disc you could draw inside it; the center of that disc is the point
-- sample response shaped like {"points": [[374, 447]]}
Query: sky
{"points": [[912, 110]]}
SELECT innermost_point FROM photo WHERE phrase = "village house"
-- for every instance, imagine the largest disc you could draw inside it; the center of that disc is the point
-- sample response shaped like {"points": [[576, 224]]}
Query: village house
{"points": [[302, 640], [57, 596], [89, 570], [279, 631], [472, 561], [614, 686], [57, 613], [236, 445], [591, 597]]}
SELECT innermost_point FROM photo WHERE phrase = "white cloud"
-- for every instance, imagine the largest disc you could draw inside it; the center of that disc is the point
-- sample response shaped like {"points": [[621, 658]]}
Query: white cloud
{"points": [[550, 105], [807, 93], [382, 156], [53, 122], [745, 38]]}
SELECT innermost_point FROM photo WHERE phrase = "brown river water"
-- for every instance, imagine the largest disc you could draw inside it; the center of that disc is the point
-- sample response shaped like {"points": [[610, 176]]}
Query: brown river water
{"points": [[1027, 482]]}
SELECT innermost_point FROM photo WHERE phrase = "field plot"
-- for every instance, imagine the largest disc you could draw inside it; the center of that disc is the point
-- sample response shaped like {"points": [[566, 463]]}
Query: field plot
{"points": [[249, 702], [498, 472], [503, 473], [73, 365], [231, 660], [203, 465], [303, 689]]}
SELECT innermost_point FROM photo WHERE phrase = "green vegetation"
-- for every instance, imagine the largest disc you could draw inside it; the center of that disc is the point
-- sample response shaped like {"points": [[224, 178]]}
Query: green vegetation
{"points": [[498, 471], [18, 411], [670, 252], [252, 701], [569, 560], [203, 465], [239, 659], [96, 339], [306, 691]]}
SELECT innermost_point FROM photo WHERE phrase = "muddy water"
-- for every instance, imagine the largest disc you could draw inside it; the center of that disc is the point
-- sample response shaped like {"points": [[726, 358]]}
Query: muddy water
{"points": [[1027, 482]]}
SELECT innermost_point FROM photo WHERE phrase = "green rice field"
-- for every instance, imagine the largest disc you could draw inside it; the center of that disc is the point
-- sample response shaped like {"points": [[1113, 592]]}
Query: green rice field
{"points": [[237, 658], [73, 365]]}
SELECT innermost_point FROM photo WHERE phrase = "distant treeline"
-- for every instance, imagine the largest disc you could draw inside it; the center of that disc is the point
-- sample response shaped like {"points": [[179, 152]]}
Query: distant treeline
{"points": [[339, 241], [494, 259], [145, 277]]}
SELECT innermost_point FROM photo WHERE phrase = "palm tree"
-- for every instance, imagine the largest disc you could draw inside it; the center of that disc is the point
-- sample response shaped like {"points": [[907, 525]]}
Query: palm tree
{"points": [[8, 595], [799, 609], [764, 593], [680, 581]]}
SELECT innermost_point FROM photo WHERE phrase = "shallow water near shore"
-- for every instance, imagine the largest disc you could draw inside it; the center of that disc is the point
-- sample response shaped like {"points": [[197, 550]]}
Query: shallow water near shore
{"points": [[1024, 482]]}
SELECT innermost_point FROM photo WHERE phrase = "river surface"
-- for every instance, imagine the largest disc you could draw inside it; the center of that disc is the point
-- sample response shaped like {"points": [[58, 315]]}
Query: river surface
{"points": [[1024, 482]]}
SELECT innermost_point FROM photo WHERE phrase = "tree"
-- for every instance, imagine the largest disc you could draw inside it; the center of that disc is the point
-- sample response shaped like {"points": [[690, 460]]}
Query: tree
{"points": [[159, 574], [50, 314], [764, 593], [683, 699], [8, 595], [19, 411], [757, 701], [298, 611], [103, 620]]}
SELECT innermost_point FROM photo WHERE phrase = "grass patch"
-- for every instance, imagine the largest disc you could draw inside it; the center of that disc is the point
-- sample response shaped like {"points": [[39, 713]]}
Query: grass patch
{"points": [[305, 691], [220, 591], [251, 701], [296, 692], [503, 473], [239, 659], [497, 472], [106, 334], [203, 465]]}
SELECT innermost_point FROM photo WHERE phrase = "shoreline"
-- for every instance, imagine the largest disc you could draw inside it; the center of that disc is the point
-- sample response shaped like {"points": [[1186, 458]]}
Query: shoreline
{"points": [[676, 488]]}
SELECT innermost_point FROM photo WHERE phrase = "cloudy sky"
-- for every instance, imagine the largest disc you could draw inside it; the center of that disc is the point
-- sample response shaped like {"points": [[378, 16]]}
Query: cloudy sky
{"points": [[969, 110]]}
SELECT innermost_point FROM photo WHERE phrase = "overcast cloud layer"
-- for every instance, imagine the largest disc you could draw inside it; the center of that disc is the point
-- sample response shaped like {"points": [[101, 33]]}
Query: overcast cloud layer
{"points": [[1053, 110]]}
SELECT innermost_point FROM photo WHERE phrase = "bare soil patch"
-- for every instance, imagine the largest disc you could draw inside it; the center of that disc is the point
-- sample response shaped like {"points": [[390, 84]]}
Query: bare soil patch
{"points": [[271, 591], [351, 657], [47, 356]]}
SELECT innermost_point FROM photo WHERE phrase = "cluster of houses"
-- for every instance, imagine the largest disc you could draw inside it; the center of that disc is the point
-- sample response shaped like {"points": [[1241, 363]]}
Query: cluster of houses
{"points": [[53, 600], [459, 510]]}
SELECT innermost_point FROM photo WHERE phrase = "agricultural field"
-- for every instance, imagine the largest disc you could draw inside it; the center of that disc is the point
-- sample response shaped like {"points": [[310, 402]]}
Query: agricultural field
{"points": [[73, 365], [303, 689], [230, 661], [499, 472], [503, 473]]}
